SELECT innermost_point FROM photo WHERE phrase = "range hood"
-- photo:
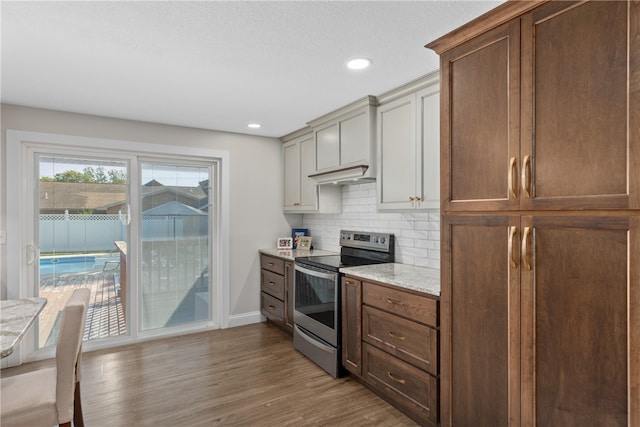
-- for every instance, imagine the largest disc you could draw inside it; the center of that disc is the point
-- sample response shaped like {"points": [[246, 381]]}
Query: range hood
{"points": [[343, 176]]}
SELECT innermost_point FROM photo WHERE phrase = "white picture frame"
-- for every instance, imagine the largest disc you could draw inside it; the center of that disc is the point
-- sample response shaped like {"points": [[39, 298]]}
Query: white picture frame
{"points": [[304, 243], [284, 243]]}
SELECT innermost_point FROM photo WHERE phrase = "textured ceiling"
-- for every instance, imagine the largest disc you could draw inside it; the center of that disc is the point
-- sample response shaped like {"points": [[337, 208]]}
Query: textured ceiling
{"points": [[217, 64]]}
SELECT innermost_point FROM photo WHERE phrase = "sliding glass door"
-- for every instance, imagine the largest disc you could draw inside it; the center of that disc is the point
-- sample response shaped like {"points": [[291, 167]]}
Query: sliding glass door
{"points": [[136, 231], [82, 232], [174, 213]]}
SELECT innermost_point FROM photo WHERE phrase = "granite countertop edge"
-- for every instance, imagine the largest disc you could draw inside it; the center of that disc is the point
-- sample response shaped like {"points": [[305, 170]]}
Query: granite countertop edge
{"points": [[292, 254], [416, 278]]}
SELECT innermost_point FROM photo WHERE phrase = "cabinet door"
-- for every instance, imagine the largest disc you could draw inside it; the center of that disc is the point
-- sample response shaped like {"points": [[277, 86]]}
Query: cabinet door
{"points": [[355, 137], [480, 103], [352, 325], [328, 147], [308, 189], [578, 298], [581, 105], [289, 276], [397, 153], [291, 159], [428, 148], [480, 304]]}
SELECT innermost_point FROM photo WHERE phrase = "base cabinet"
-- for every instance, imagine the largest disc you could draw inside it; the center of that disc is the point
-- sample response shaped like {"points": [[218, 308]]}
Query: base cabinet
{"points": [[545, 305], [276, 285], [289, 276], [390, 342], [352, 325], [406, 386]]}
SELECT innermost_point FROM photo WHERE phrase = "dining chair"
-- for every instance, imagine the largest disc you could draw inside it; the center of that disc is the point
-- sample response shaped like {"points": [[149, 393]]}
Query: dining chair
{"points": [[51, 396]]}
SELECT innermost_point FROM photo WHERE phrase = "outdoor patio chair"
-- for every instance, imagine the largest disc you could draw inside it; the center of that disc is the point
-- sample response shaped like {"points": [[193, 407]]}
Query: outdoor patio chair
{"points": [[51, 396]]}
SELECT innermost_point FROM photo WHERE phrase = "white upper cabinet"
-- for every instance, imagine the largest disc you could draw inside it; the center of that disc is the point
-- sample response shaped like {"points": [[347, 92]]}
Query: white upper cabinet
{"points": [[357, 138], [328, 147], [408, 146], [345, 141], [300, 193]]}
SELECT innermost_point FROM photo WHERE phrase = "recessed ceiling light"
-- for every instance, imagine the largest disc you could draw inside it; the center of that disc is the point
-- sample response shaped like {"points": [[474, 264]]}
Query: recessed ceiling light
{"points": [[359, 63], [254, 125]]}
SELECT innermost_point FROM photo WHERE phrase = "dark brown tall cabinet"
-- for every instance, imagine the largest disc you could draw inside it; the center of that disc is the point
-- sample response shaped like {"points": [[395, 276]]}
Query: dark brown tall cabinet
{"points": [[540, 187]]}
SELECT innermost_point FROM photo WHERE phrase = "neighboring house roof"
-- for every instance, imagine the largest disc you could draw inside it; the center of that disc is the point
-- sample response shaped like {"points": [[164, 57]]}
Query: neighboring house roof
{"points": [[75, 196], [173, 208], [79, 196]]}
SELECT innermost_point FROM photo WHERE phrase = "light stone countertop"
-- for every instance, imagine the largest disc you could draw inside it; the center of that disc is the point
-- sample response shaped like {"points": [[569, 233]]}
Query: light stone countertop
{"points": [[16, 317], [421, 279], [291, 254]]}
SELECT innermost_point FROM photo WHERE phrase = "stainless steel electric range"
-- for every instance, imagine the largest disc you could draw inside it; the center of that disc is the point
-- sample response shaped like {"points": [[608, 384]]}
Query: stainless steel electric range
{"points": [[317, 294]]}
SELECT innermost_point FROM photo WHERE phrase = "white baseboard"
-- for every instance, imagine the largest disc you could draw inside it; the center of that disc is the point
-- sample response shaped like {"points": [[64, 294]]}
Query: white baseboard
{"points": [[245, 319]]}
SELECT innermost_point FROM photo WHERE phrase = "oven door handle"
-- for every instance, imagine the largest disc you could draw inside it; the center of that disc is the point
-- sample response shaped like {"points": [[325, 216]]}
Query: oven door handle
{"points": [[312, 341], [314, 273]]}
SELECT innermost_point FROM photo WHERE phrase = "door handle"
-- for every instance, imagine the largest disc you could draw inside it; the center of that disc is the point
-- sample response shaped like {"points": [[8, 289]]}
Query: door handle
{"points": [[512, 233], [513, 165], [31, 254], [526, 176], [525, 247]]}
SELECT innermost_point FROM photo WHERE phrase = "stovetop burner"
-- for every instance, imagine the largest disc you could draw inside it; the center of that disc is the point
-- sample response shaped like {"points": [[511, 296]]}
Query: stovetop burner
{"points": [[357, 248]]}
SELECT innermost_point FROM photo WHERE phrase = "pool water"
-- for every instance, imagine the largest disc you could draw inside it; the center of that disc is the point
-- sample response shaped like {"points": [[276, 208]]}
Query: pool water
{"points": [[66, 264]]}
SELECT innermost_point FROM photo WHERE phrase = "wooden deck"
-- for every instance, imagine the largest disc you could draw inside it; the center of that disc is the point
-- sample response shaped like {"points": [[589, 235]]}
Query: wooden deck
{"points": [[105, 315]]}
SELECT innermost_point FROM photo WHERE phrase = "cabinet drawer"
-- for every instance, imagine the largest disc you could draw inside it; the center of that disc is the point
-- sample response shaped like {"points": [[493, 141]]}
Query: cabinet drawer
{"points": [[407, 340], [415, 307], [272, 284], [272, 308], [272, 264], [406, 385]]}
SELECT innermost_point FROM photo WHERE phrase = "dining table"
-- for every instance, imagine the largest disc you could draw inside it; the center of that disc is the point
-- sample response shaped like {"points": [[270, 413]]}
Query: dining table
{"points": [[16, 317]]}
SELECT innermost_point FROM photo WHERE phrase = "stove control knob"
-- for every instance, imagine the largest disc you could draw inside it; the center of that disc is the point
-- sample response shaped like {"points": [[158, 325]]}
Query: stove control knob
{"points": [[382, 240], [375, 239]]}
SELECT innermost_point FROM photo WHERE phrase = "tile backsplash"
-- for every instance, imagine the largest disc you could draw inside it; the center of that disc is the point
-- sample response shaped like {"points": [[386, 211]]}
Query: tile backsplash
{"points": [[417, 234]]}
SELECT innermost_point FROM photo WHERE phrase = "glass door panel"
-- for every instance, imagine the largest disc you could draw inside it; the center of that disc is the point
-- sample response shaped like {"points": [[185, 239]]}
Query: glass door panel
{"points": [[83, 206], [175, 244]]}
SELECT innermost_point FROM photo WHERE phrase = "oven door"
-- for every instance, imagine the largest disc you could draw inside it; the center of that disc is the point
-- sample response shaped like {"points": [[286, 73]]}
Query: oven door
{"points": [[316, 307]]}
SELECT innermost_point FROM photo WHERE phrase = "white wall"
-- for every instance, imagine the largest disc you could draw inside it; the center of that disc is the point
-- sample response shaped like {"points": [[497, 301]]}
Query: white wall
{"points": [[417, 234], [256, 218]]}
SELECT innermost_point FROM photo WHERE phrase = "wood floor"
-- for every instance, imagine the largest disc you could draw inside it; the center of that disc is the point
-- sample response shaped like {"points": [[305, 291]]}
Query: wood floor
{"points": [[244, 376]]}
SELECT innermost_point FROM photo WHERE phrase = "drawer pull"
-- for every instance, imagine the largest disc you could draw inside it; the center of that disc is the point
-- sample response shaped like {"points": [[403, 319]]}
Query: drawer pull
{"points": [[272, 307], [396, 379], [271, 283], [398, 337], [394, 302], [270, 263]]}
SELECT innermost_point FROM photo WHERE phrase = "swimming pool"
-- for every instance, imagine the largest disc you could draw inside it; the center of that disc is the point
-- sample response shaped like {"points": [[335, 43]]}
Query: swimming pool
{"points": [[66, 264]]}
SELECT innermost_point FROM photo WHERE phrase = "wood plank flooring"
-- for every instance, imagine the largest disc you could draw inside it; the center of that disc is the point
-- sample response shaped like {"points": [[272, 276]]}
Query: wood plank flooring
{"points": [[245, 376]]}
